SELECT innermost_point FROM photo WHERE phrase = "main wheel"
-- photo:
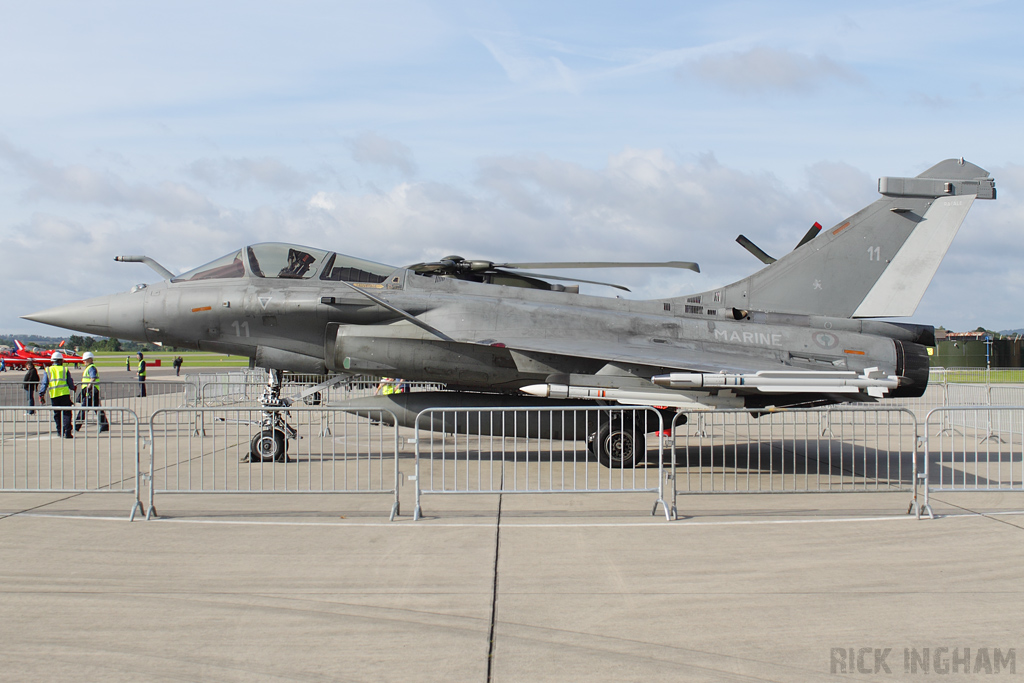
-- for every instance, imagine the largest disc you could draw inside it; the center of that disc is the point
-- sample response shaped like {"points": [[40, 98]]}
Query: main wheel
{"points": [[267, 446], [619, 444]]}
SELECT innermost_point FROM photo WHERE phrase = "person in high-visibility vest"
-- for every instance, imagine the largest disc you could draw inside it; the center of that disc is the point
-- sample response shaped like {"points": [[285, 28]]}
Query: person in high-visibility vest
{"points": [[142, 375], [90, 395], [60, 385], [392, 385]]}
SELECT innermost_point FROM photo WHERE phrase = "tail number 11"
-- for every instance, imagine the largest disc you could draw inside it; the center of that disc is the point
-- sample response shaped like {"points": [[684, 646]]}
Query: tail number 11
{"points": [[239, 327], [874, 253]]}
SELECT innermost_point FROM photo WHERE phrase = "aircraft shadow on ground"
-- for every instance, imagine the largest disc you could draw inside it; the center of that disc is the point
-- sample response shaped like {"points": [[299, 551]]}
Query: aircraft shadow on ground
{"points": [[821, 456], [812, 457], [980, 469]]}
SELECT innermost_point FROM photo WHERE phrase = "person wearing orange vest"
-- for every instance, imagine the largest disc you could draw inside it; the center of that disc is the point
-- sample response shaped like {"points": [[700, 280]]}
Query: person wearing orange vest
{"points": [[60, 385]]}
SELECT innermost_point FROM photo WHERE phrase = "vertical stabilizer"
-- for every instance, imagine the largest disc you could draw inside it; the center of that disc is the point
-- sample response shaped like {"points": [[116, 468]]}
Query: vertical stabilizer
{"points": [[879, 261]]}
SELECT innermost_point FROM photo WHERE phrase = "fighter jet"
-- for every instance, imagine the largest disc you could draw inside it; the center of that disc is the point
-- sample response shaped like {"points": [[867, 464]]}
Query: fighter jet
{"points": [[21, 355], [43, 357], [802, 331]]}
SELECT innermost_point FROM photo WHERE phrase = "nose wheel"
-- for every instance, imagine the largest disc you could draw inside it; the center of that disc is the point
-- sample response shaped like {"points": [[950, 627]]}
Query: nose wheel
{"points": [[268, 446]]}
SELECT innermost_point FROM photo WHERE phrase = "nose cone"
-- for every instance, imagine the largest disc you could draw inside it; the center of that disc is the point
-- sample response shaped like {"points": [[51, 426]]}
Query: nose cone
{"points": [[117, 315]]}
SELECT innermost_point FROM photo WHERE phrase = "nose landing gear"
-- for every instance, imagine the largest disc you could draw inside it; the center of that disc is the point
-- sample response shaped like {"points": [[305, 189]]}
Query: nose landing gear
{"points": [[270, 444]]}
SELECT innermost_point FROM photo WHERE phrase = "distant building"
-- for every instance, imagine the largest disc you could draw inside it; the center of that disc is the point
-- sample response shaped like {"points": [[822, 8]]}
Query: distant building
{"points": [[965, 336]]}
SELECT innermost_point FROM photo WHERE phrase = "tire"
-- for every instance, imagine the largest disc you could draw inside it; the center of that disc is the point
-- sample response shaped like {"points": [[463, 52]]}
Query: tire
{"points": [[619, 445], [267, 446]]}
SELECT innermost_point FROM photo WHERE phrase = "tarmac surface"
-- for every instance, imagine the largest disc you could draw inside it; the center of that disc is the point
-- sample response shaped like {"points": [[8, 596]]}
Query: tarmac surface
{"points": [[510, 587]]}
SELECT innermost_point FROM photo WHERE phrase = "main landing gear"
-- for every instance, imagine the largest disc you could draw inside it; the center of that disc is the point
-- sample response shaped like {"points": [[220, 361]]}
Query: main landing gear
{"points": [[619, 441], [621, 437]]}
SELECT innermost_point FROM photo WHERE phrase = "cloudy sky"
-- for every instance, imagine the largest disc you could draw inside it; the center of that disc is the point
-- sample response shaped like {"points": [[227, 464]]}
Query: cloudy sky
{"points": [[405, 131]]}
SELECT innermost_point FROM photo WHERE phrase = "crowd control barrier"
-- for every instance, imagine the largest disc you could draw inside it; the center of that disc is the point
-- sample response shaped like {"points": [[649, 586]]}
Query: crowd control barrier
{"points": [[160, 395], [973, 449], [794, 451], [530, 450], [300, 450], [320, 449], [36, 458]]}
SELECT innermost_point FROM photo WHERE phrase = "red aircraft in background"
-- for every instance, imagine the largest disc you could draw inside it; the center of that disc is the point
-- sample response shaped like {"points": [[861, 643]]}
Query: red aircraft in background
{"points": [[20, 356], [12, 360]]}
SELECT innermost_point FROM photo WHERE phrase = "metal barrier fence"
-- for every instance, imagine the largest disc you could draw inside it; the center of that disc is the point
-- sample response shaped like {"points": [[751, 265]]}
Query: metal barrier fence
{"points": [[303, 450], [962, 395], [119, 394], [935, 395], [160, 395], [228, 393], [524, 450], [794, 451], [36, 458], [973, 449], [248, 393], [530, 450]]}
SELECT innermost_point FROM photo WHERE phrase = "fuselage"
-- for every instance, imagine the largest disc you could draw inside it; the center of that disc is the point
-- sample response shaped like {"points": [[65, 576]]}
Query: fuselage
{"points": [[500, 338]]}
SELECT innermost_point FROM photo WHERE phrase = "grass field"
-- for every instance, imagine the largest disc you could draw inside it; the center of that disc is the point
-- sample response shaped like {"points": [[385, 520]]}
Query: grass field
{"points": [[979, 376], [192, 359]]}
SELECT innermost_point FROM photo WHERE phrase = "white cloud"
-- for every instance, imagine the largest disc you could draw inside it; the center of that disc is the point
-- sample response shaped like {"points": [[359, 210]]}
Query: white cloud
{"points": [[521, 66], [846, 187], [930, 101], [641, 206], [237, 173], [80, 184], [321, 201], [765, 69], [369, 148]]}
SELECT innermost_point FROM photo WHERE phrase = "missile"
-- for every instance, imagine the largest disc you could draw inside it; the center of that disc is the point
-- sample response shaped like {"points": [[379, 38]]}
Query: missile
{"points": [[634, 396], [874, 381]]}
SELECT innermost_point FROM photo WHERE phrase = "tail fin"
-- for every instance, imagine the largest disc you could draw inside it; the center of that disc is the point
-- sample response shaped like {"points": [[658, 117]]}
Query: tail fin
{"points": [[879, 261], [18, 345]]}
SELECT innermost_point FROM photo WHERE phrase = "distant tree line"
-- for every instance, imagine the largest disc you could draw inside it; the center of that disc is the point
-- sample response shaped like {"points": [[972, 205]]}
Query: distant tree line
{"points": [[109, 344], [82, 343]]}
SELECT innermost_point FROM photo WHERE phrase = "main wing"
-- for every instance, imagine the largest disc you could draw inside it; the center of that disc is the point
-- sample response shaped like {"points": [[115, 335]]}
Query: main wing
{"points": [[681, 356]]}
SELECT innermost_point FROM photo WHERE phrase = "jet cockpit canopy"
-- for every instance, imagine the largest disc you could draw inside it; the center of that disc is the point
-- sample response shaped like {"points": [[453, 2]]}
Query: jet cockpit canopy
{"points": [[288, 261]]}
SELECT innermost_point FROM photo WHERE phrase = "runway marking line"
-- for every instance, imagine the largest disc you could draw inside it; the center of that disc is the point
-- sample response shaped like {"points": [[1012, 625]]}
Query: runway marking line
{"points": [[652, 524]]}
